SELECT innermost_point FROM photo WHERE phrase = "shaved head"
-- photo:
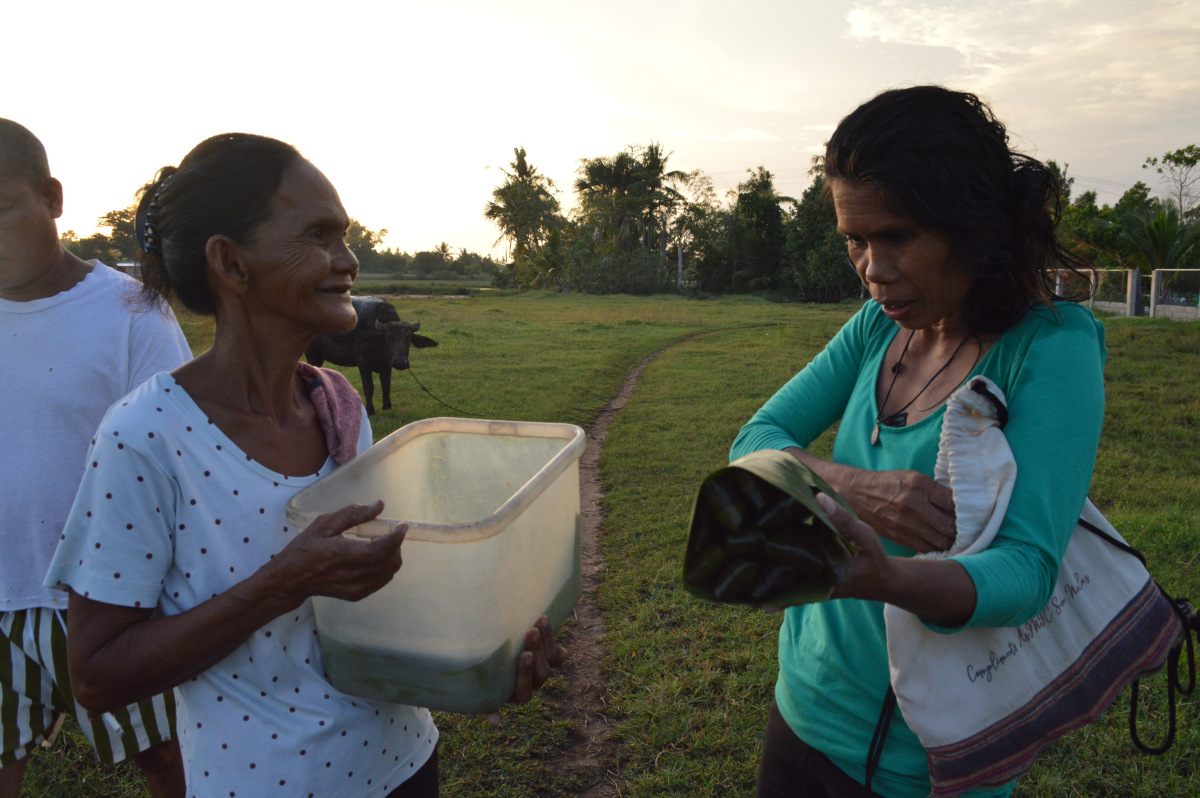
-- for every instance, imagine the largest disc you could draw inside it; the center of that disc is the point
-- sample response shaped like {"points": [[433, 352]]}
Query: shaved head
{"points": [[22, 153]]}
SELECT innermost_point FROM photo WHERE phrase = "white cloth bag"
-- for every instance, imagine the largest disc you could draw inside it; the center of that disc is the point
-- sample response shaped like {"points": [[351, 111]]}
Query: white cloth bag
{"points": [[984, 701]]}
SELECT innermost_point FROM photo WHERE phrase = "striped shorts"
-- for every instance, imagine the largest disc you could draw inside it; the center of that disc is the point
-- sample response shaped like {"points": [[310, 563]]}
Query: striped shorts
{"points": [[35, 690]]}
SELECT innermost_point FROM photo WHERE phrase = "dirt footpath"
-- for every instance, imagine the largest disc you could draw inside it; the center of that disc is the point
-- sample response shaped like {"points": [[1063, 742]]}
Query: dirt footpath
{"points": [[591, 755]]}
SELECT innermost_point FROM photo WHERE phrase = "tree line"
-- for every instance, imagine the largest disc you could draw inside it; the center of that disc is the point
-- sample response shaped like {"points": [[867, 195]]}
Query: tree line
{"points": [[119, 245], [440, 263], [1139, 231], [639, 227]]}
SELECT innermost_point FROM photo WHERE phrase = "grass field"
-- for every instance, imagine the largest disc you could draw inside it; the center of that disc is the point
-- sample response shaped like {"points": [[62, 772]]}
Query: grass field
{"points": [[389, 284], [691, 681]]}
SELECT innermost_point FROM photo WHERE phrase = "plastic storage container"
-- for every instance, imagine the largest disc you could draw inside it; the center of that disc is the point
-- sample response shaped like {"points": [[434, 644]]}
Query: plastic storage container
{"points": [[493, 542]]}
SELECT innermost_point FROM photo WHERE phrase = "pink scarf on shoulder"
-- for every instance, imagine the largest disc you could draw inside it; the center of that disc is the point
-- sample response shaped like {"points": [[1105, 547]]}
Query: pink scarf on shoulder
{"points": [[339, 409]]}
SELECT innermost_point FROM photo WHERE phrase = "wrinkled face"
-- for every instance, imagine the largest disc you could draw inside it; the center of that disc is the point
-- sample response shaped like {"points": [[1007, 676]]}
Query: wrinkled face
{"points": [[28, 232], [910, 270], [298, 264]]}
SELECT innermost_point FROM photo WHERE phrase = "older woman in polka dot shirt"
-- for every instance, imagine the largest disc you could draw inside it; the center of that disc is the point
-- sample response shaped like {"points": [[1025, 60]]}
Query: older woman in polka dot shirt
{"points": [[182, 568]]}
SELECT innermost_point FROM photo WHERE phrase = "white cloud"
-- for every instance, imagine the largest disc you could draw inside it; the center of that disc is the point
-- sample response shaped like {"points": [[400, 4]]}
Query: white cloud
{"points": [[987, 34], [1097, 79], [1106, 48]]}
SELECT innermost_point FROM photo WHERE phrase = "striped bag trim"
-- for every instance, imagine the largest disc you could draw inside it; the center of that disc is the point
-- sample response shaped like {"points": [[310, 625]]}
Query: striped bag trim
{"points": [[1135, 643]]}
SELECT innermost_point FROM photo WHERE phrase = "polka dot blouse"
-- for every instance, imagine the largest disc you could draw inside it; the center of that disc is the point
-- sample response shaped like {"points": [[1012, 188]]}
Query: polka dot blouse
{"points": [[172, 513]]}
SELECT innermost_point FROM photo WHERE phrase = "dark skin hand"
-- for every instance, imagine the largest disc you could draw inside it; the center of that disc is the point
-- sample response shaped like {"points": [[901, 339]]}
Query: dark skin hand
{"points": [[906, 507], [540, 657], [120, 655], [937, 591]]}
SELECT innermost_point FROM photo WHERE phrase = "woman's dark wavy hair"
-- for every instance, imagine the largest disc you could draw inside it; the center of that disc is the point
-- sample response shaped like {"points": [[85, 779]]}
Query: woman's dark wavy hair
{"points": [[942, 159], [224, 187]]}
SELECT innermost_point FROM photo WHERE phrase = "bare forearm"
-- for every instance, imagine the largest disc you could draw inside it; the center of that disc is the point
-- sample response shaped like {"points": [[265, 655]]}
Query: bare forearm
{"points": [[936, 591], [122, 654], [142, 657]]}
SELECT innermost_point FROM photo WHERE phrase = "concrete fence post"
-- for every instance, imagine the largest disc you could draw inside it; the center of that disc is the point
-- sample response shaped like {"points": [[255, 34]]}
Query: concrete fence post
{"points": [[1155, 287], [1133, 292]]}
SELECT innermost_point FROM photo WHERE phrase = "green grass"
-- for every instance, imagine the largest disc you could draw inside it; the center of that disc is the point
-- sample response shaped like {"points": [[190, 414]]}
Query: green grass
{"points": [[690, 681], [391, 284], [70, 770]]}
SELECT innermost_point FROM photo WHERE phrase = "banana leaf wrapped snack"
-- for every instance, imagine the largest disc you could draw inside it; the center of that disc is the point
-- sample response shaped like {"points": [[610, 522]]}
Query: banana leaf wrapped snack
{"points": [[757, 535]]}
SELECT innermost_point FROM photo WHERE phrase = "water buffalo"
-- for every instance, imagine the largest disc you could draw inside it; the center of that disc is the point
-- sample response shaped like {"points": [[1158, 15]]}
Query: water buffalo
{"points": [[377, 344]]}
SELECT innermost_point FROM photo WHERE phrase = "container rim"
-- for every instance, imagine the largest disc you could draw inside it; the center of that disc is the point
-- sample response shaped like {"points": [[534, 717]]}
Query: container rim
{"points": [[471, 531]]}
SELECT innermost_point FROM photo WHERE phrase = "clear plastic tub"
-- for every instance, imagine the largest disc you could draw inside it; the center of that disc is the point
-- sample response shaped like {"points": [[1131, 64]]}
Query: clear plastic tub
{"points": [[493, 542]]}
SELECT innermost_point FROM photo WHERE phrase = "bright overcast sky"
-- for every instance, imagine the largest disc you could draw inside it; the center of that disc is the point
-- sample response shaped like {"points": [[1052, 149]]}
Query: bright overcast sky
{"points": [[412, 108]]}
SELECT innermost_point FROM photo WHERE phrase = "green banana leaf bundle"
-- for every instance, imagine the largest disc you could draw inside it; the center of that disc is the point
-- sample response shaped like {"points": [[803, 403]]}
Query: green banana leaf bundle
{"points": [[758, 536]]}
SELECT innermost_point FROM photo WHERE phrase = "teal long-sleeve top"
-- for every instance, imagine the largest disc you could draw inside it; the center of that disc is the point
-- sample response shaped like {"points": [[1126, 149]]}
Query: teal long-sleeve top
{"points": [[833, 667]]}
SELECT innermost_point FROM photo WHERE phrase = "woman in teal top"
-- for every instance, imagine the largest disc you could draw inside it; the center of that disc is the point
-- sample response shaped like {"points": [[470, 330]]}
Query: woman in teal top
{"points": [[953, 235]]}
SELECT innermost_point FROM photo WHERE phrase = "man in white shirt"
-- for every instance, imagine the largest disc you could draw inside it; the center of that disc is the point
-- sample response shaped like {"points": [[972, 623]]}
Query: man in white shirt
{"points": [[74, 338]]}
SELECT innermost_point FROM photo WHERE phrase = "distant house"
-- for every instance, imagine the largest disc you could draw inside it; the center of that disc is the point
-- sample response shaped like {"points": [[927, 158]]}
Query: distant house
{"points": [[129, 267]]}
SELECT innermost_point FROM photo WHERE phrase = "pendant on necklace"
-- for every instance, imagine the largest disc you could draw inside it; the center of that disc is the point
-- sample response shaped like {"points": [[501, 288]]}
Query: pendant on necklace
{"points": [[875, 435]]}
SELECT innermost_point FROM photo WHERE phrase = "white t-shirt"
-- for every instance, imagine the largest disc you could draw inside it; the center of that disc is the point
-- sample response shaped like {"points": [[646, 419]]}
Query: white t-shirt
{"points": [[170, 513], [65, 360]]}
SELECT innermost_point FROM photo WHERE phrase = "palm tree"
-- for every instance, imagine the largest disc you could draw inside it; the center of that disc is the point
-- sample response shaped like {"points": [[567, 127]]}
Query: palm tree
{"points": [[663, 201], [625, 198], [610, 198], [1163, 240], [758, 231], [524, 208]]}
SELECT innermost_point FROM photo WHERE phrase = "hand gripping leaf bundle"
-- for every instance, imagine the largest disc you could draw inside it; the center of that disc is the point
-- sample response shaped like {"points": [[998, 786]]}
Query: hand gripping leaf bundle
{"points": [[757, 535]]}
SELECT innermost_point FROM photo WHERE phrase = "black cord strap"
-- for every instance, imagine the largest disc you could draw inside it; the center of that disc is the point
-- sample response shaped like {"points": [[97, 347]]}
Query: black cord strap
{"points": [[439, 401], [1001, 410], [1191, 625], [875, 752], [1123, 546]]}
